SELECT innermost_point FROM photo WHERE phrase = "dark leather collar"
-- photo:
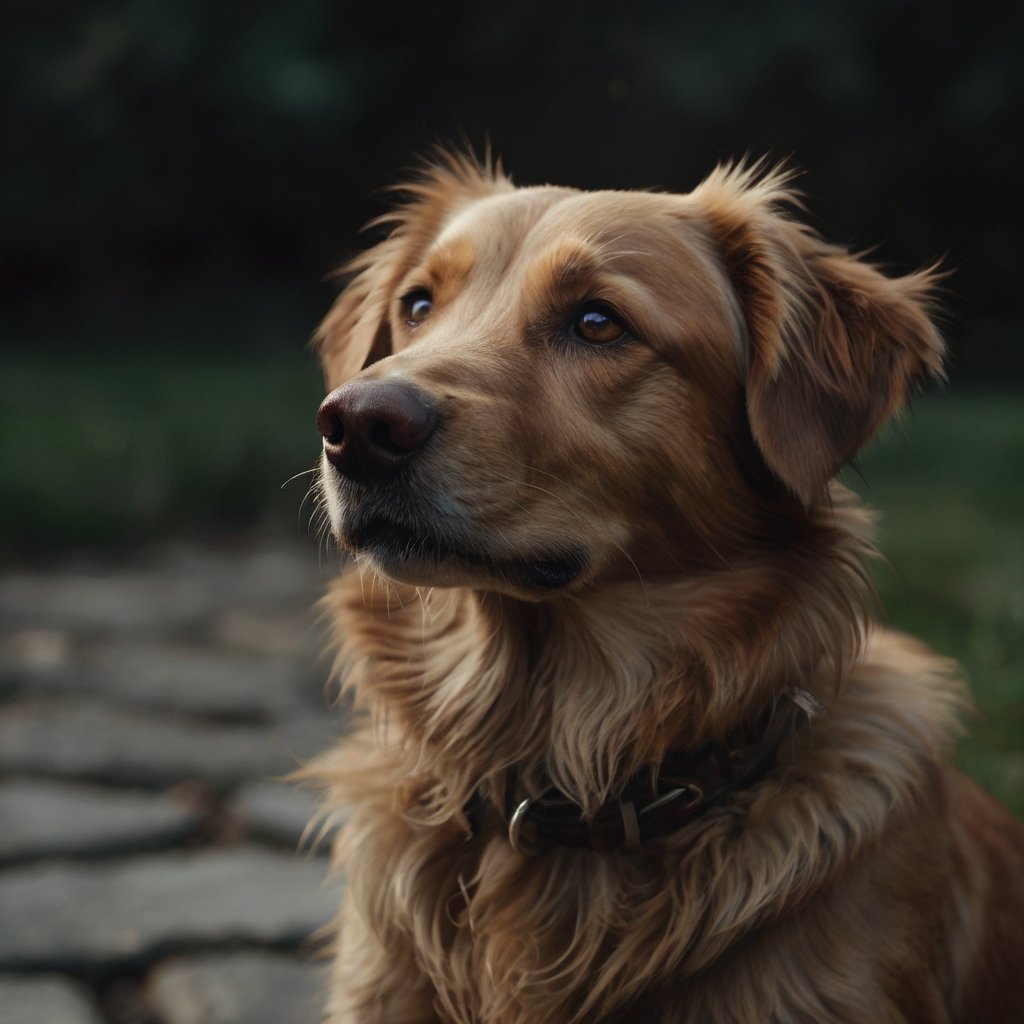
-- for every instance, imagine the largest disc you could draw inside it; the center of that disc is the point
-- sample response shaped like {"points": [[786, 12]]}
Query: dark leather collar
{"points": [[655, 802]]}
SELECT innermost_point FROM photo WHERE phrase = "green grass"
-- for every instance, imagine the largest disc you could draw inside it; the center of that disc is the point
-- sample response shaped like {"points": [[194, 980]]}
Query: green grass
{"points": [[949, 482], [116, 448], [119, 447]]}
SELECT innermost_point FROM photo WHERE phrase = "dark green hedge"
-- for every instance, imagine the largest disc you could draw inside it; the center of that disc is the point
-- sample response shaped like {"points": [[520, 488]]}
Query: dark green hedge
{"points": [[161, 156]]}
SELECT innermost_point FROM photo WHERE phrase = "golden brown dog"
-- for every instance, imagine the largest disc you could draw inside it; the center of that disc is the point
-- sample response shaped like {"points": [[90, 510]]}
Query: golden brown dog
{"points": [[635, 751]]}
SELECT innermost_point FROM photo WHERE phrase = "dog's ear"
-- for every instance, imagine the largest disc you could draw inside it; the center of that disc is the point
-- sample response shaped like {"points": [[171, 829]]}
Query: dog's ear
{"points": [[356, 331], [833, 345]]}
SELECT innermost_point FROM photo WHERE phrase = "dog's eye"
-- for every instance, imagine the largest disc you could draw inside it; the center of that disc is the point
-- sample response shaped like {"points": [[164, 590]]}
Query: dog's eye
{"points": [[597, 326], [416, 306]]}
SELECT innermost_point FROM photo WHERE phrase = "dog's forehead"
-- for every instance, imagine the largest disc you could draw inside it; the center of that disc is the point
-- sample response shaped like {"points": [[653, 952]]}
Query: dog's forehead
{"points": [[500, 221], [534, 225]]}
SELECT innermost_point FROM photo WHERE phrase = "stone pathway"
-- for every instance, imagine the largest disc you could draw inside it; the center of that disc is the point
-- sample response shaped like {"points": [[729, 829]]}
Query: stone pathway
{"points": [[153, 868]]}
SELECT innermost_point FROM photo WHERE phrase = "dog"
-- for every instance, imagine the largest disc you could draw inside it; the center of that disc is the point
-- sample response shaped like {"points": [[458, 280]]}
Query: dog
{"points": [[631, 746]]}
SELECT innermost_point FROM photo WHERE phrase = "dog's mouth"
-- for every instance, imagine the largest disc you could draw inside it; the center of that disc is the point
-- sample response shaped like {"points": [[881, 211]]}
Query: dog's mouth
{"points": [[417, 554]]}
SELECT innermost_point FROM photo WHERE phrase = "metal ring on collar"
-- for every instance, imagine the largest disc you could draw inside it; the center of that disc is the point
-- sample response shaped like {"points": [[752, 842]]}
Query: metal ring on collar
{"points": [[515, 825], [696, 795]]}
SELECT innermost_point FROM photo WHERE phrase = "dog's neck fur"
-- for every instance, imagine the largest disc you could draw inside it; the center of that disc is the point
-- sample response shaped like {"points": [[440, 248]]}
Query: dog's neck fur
{"points": [[445, 673], [462, 685]]}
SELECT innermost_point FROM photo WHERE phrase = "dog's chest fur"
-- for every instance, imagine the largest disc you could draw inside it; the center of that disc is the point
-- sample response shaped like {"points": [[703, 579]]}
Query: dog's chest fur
{"points": [[737, 915]]}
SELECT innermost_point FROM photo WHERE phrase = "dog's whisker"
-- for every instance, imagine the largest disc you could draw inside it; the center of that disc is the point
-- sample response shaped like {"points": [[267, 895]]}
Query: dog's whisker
{"points": [[296, 476], [636, 569], [314, 492], [551, 494], [561, 481]]}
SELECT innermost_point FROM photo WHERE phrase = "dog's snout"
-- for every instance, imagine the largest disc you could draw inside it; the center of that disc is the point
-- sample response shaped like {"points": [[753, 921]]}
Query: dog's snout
{"points": [[373, 427]]}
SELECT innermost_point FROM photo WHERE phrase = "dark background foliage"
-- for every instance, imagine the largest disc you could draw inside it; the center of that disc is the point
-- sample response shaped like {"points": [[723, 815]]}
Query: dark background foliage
{"points": [[186, 173]]}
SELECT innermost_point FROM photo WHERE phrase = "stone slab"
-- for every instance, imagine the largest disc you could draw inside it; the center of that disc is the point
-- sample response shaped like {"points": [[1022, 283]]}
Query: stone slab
{"points": [[123, 913], [90, 741], [273, 576], [277, 633], [106, 600], [192, 678], [279, 812], [170, 587], [36, 658], [40, 818], [247, 987], [45, 999], [201, 680]]}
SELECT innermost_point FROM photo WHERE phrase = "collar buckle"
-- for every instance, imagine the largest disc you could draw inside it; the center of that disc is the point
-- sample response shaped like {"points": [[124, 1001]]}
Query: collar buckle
{"points": [[656, 803]]}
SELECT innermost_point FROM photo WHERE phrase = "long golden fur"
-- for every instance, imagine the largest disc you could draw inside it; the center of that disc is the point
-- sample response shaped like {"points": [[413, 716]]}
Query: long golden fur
{"points": [[620, 547]]}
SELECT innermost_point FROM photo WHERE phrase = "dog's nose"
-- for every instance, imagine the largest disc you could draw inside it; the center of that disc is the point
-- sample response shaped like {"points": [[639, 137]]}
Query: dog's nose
{"points": [[373, 427]]}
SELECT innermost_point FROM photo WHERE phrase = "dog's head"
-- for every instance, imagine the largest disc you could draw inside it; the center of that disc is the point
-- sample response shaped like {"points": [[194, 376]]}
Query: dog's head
{"points": [[533, 388]]}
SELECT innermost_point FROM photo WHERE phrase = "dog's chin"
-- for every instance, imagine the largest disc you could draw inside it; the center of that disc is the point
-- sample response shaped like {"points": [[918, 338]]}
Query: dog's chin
{"points": [[422, 557]]}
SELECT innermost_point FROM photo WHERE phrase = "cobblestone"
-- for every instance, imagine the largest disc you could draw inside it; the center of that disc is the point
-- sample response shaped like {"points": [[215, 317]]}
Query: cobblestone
{"points": [[78, 739], [196, 680], [123, 913], [42, 818], [174, 586], [280, 813], [147, 864], [255, 631], [46, 999], [237, 988], [125, 601]]}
